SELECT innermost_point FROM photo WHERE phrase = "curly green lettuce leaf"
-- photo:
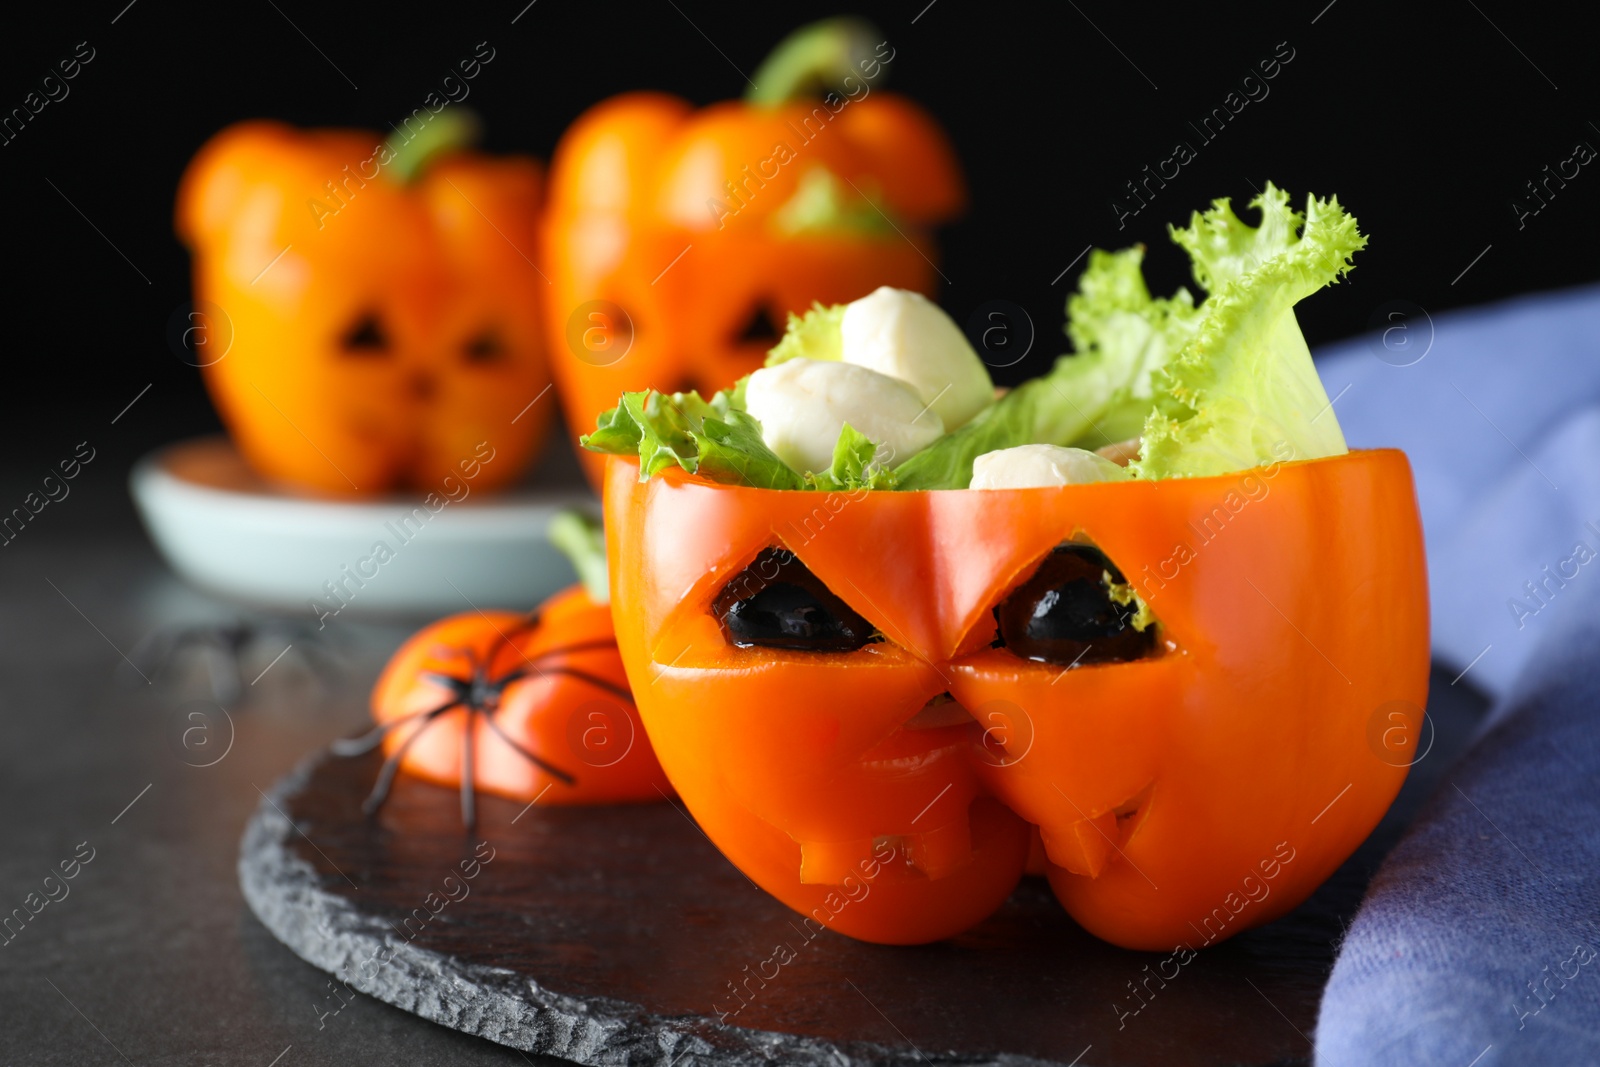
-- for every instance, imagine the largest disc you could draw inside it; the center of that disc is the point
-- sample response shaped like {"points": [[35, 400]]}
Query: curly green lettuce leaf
{"points": [[1100, 394], [716, 439], [1214, 387], [853, 466], [1222, 248], [1059, 408], [1243, 391], [817, 334], [1113, 318]]}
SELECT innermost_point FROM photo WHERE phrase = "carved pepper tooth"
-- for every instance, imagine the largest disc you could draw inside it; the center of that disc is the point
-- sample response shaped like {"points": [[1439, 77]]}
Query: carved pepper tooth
{"points": [[1082, 847], [942, 850], [830, 862], [936, 852]]}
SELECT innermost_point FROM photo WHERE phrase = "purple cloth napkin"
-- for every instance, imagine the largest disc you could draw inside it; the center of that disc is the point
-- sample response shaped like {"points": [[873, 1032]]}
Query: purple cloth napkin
{"points": [[1479, 940]]}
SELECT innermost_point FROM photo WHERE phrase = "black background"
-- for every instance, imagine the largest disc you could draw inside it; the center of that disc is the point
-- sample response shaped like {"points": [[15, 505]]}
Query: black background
{"points": [[1425, 121]]}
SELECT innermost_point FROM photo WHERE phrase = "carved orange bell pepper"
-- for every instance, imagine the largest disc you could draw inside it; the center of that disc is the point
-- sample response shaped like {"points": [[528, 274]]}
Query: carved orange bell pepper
{"points": [[878, 768], [677, 241], [370, 307]]}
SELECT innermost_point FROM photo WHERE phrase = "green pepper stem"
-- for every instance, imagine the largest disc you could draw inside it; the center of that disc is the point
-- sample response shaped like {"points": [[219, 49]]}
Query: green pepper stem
{"points": [[581, 539], [413, 148], [813, 59]]}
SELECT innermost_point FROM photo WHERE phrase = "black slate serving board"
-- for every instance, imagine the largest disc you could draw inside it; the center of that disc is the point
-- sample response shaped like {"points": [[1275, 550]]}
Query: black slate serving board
{"points": [[621, 936]]}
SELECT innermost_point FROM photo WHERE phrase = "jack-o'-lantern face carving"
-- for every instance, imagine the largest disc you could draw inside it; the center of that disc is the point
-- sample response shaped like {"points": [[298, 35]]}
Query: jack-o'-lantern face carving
{"points": [[679, 241], [866, 698], [385, 331]]}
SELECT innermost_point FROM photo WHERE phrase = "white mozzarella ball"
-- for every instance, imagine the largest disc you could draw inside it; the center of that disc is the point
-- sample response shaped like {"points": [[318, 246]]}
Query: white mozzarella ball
{"points": [[906, 336], [1027, 466], [802, 405]]}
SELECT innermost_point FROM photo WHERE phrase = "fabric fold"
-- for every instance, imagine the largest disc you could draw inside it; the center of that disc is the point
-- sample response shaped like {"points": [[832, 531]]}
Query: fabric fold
{"points": [[1479, 939]]}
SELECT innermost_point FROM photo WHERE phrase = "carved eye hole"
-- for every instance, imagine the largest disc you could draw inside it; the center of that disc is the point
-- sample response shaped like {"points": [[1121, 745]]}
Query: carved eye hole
{"points": [[1066, 614], [776, 602], [760, 328], [485, 347], [366, 337]]}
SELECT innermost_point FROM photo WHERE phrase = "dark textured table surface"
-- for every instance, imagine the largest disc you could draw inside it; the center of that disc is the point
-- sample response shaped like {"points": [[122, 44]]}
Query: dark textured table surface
{"points": [[150, 956]]}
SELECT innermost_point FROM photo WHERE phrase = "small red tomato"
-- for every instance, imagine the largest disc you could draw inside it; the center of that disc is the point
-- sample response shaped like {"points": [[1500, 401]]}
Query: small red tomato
{"points": [[528, 707]]}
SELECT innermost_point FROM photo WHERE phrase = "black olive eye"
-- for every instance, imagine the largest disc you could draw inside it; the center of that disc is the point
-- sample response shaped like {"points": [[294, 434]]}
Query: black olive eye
{"points": [[486, 347], [776, 602], [1065, 612], [760, 328], [366, 338]]}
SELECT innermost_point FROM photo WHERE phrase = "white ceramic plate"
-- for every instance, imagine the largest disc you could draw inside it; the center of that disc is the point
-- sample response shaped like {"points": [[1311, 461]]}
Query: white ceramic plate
{"points": [[224, 528]]}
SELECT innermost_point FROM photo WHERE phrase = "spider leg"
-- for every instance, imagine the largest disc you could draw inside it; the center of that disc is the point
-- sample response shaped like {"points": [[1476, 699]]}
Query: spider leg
{"points": [[232, 684], [580, 646], [361, 745], [506, 679], [380, 789], [224, 670], [614, 689], [447, 681], [553, 771], [571, 672], [469, 799], [151, 656], [517, 675], [529, 622]]}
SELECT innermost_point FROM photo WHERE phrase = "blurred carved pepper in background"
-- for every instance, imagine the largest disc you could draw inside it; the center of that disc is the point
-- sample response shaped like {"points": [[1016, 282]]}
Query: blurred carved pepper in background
{"points": [[370, 305], [677, 241]]}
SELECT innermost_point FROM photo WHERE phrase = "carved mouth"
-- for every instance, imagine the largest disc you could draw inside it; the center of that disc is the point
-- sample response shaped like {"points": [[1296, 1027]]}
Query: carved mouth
{"points": [[1085, 846], [941, 710], [939, 839]]}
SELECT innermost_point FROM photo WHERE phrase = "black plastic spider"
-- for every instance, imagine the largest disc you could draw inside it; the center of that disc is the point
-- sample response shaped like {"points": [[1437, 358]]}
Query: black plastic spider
{"points": [[478, 694], [224, 648]]}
